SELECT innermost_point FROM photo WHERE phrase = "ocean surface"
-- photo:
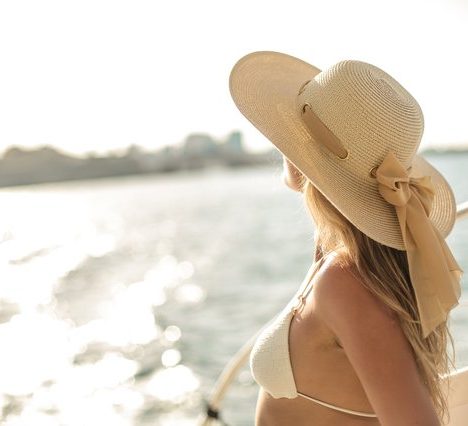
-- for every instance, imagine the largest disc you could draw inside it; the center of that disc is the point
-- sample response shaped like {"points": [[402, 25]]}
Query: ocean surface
{"points": [[121, 300]]}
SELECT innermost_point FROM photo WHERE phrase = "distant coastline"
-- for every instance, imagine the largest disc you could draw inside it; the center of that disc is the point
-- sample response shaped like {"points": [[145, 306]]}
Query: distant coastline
{"points": [[440, 150], [48, 164], [198, 151]]}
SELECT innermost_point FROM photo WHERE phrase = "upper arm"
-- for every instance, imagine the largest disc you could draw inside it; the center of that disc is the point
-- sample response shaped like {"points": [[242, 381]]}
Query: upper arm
{"points": [[376, 347]]}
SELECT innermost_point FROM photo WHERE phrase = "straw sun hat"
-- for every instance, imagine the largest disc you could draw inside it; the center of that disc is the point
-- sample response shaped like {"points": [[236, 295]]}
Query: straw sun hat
{"points": [[354, 131]]}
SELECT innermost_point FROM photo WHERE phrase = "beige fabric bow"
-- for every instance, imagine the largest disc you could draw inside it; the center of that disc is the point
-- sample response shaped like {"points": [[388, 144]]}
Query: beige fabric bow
{"points": [[434, 272]]}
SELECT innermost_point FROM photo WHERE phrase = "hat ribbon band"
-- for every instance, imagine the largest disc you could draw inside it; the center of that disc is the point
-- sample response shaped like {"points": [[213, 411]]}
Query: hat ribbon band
{"points": [[322, 133]]}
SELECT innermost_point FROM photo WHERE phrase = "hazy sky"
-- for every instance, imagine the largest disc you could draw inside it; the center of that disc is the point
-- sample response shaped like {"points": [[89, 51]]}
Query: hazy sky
{"points": [[102, 74]]}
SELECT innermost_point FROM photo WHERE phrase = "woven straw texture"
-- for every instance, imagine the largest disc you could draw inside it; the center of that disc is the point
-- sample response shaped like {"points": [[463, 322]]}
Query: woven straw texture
{"points": [[370, 113]]}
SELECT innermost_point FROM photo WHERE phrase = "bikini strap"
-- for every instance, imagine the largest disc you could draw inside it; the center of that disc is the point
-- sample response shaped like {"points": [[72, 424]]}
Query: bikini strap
{"points": [[308, 277], [305, 283]]}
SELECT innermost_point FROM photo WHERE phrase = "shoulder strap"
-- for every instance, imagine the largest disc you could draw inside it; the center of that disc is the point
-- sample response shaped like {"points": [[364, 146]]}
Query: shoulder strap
{"points": [[308, 277], [310, 274]]}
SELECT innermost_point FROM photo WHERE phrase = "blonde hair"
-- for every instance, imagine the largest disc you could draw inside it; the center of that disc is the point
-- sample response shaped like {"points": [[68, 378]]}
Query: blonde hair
{"points": [[384, 272]]}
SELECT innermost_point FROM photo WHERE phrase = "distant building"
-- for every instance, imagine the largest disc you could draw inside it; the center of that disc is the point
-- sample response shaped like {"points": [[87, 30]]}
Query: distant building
{"points": [[199, 150], [233, 143], [200, 145]]}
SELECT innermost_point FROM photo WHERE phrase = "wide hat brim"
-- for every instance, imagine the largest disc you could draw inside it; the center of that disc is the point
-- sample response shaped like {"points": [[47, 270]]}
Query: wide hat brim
{"points": [[264, 86]]}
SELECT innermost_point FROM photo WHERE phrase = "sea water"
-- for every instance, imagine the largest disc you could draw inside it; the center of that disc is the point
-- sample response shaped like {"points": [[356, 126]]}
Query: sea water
{"points": [[121, 300]]}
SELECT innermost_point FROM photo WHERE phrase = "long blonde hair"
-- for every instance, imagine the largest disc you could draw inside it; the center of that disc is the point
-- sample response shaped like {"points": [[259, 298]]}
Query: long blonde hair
{"points": [[384, 272]]}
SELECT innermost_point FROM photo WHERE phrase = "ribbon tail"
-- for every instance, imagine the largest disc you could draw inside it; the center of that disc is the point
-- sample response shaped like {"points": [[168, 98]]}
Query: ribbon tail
{"points": [[434, 272]]}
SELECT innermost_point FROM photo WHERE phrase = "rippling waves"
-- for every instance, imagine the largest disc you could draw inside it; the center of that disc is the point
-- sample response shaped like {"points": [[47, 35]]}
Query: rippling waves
{"points": [[121, 300]]}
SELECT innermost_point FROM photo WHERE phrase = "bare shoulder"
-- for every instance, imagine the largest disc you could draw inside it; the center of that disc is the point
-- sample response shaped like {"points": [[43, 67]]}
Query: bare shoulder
{"points": [[340, 292], [375, 344]]}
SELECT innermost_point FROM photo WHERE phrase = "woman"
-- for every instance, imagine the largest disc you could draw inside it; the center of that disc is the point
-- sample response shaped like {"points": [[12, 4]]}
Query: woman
{"points": [[364, 340]]}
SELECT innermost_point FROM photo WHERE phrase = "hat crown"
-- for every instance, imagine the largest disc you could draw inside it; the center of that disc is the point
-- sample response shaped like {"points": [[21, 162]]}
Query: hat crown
{"points": [[356, 114], [367, 110]]}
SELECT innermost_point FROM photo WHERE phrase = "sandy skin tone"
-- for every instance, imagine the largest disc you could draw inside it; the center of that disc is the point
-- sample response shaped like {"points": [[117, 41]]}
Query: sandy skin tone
{"points": [[367, 373]]}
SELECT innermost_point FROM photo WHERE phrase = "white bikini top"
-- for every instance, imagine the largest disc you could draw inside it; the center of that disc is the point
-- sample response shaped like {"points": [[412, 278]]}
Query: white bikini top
{"points": [[270, 363]]}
